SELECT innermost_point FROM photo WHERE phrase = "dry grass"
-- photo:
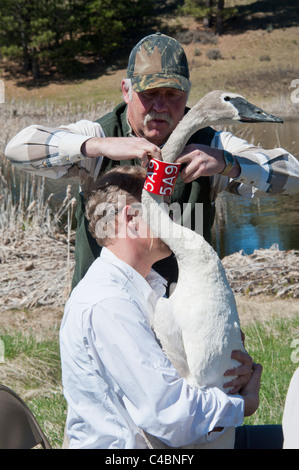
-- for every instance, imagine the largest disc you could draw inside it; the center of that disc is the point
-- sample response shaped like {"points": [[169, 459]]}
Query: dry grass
{"points": [[266, 83], [26, 373], [36, 236], [36, 268], [265, 309], [272, 272], [29, 109]]}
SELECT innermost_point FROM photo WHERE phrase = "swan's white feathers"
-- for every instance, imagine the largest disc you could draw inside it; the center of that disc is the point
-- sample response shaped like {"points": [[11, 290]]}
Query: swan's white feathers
{"points": [[198, 326]]}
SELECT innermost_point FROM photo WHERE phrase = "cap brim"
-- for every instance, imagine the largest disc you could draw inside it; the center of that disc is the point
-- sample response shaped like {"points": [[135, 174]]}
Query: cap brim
{"points": [[147, 82]]}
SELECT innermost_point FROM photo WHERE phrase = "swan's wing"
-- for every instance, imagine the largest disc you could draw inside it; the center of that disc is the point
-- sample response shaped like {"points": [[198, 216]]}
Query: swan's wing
{"points": [[170, 336]]}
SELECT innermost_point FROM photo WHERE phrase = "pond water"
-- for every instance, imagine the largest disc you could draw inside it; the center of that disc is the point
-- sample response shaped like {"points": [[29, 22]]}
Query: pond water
{"points": [[249, 224], [255, 223]]}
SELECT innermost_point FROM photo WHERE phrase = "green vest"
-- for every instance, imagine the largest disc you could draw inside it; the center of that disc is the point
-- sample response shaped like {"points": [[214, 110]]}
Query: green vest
{"points": [[87, 250]]}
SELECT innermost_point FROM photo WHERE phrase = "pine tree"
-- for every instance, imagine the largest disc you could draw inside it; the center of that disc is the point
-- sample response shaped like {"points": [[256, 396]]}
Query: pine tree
{"points": [[206, 10], [42, 33], [24, 32]]}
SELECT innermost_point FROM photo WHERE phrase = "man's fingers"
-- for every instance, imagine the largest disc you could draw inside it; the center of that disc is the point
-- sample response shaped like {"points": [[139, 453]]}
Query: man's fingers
{"points": [[257, 370], [242, 357], [240, 370], [242, 373]]}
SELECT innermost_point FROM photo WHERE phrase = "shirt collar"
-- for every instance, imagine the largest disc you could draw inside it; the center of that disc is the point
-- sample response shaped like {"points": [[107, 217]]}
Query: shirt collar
{"points": [[151, 288], [127, 128]]}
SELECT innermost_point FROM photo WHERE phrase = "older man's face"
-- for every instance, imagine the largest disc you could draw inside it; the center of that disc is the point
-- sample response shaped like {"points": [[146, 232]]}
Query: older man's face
{"points": [[154, 113]]}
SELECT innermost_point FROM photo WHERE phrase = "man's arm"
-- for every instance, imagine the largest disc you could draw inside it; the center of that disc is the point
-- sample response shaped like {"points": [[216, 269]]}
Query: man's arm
{"points": [[270, 171], [273, 171], [121, 148], [52, 152]]}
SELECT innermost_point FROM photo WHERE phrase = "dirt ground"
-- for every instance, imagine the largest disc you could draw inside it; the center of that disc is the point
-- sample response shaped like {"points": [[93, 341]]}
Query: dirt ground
{"points": [[44, 322]]}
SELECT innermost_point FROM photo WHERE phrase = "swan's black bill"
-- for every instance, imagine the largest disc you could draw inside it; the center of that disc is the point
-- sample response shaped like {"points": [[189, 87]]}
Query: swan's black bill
{"points": [[250, 113]]}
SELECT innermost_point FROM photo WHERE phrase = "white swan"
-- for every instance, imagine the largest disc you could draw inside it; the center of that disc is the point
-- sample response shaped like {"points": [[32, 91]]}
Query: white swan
{"points": [[198, 326]]}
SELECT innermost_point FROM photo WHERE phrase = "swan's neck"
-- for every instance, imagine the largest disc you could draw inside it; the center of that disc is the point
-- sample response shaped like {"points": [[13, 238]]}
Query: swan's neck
{"points": [[173, 234], [156, 216], [200, 116], [178, 139], [177, 237]]}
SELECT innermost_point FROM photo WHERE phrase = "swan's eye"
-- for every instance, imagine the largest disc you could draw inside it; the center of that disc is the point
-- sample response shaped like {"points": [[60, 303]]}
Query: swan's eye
{"points": [[227, 98]]}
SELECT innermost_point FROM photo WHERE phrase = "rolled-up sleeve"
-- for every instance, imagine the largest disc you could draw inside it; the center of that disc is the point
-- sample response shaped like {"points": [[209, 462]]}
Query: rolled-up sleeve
{"points": [[51, 152], [273, 171]]}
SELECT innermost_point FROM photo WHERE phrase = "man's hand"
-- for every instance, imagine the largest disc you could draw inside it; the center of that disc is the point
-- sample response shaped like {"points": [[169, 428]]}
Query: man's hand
{"points": [[243, 372], [202, 160], [250, 392], [247, 382], [121, 148]]}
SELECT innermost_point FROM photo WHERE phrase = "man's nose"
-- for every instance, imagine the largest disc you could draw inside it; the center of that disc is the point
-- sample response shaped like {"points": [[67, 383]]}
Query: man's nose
{"points": [[160, 104]]}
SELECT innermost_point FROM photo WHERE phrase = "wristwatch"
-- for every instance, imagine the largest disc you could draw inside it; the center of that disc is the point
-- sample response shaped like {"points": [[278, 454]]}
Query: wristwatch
{"points": [[229, 162]]}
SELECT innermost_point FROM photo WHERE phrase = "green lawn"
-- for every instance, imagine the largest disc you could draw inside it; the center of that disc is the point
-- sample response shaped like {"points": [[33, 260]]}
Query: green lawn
{"points": [[32, 368], [270, 344]]}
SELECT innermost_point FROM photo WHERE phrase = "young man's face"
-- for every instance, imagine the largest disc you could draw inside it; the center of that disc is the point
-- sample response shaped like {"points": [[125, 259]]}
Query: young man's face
{"points": [[150, 244], [154, 114], [146, 242]]}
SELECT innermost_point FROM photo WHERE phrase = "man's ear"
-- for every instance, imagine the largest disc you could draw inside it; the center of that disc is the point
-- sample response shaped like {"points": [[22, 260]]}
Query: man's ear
{"points": [[129, 214], [125, 92]]}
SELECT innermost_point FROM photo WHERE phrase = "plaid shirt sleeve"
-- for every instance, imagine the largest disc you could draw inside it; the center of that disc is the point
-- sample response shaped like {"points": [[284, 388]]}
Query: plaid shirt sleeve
{"points": [[55, 152], [267, 171]]}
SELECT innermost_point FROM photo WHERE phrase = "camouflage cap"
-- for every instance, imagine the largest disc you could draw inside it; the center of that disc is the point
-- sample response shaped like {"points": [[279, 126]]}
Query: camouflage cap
{"points": [[158, 61]]}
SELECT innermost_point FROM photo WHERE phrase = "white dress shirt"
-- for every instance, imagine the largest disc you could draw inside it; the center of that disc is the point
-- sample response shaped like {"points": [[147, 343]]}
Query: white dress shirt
{"points": [[291, 414], [116, 378]]}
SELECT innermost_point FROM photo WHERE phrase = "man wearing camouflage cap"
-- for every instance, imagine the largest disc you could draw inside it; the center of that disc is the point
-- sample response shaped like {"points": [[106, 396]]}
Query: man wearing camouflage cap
{"points": [[155, 94], [158, 61]]}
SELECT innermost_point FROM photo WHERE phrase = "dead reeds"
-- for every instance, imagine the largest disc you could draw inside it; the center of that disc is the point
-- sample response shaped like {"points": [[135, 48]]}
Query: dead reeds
{"points": [[36, 235], [35, 246], [265, 272]]}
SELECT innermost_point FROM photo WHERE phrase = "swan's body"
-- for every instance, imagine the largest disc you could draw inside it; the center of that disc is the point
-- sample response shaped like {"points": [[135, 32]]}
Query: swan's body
{"points": [[198, 326]]}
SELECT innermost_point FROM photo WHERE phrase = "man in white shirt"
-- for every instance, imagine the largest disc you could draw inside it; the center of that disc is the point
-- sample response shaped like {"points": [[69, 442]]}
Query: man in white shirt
{"points": [[117, 380]]}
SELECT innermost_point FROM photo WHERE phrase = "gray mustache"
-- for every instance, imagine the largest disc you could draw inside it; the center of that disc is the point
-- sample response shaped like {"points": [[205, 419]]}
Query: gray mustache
{"points": [[154, 115]]}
